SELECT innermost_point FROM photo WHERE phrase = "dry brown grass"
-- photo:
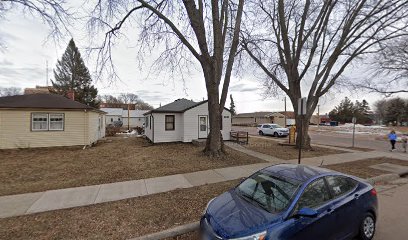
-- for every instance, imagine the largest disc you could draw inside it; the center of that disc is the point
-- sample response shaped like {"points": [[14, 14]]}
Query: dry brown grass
{"points": [[273, 148], [116, 220], [361, 168], [119, 159]]}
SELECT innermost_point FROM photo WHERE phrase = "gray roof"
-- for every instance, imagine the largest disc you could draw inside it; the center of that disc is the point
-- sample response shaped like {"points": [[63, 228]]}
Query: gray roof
{"points": [[41, 101], [178, 106], [113, 111]]}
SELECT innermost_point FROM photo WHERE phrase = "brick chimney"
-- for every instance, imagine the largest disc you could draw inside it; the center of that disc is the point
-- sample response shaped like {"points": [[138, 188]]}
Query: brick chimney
{"points": [[71, 95]]}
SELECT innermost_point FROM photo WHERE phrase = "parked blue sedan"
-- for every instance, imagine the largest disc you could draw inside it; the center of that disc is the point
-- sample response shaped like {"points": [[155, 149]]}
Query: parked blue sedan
{"points": [[289, 201]]}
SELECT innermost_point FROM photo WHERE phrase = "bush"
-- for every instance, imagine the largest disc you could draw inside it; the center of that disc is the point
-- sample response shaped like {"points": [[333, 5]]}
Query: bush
{"points": [[111, 130], [139, 130]]}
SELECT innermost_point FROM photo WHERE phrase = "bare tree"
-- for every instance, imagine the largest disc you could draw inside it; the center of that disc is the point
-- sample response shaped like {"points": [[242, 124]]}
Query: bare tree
{"points": [[389, 69], [304, 47], [11, 91], [128, 98], [205, 30], [52, 12]]}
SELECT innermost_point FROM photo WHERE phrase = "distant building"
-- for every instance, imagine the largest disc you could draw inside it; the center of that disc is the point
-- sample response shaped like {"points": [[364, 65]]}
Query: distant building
{"points": [[135, 117], [38, 89], [251, 119]]}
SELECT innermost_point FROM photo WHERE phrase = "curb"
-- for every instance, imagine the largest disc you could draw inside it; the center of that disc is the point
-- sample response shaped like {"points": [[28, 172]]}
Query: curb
{"points": [[172, 232], [383, 178]]}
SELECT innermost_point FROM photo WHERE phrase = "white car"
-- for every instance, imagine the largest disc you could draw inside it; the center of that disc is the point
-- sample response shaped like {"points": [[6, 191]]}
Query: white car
{"points": [[272, 129]]}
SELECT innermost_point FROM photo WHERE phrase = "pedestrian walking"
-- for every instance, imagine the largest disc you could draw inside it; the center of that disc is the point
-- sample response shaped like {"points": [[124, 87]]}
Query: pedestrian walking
{"points": [[392, 136], [404, 142]]}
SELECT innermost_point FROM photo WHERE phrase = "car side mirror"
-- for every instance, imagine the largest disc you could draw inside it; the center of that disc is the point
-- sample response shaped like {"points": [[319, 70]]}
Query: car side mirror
{"points": [[307, 212]]}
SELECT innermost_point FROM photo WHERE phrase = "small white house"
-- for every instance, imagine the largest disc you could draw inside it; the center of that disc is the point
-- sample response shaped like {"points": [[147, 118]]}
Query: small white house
{"points": [[182, 121], [112, 114], [134, 117]]}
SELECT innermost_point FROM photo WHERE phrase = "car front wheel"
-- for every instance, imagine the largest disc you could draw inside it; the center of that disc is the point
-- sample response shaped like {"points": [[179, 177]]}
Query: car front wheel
{"points": [[261, 133], [275, 134], [367, 227]]}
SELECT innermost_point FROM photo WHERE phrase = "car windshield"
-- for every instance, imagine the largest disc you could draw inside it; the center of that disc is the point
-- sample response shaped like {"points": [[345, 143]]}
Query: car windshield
{"points": [[272, 193]]}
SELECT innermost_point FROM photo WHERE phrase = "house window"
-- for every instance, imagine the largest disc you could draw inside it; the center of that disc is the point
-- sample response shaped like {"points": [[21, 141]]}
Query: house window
{"points": [[56, 121], [169, 122], [39, 121], [111, 119], [151, 122], [118, 119], [147, 121], [47, 122]]}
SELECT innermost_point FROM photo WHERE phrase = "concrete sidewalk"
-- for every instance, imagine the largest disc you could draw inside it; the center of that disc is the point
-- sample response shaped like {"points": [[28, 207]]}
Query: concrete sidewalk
{"points": [[22, 204]]}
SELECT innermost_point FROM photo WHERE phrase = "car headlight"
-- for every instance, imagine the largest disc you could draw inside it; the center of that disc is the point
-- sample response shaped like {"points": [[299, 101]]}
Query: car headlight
{"points": [[258, 236], [208, 204]]}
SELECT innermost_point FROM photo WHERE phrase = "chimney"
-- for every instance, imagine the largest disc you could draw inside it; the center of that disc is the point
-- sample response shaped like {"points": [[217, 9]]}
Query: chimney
{"points": [[71, 95]]}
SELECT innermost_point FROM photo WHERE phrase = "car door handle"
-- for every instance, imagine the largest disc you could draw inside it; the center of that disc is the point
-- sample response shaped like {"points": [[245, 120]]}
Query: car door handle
{"points": [[329, 210], [356, 196]]}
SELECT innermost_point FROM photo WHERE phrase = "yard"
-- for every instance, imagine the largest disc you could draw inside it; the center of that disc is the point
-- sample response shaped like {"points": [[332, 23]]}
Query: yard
{"points": [[116, 220], [361, 168], [117, 159], [274, 149]]}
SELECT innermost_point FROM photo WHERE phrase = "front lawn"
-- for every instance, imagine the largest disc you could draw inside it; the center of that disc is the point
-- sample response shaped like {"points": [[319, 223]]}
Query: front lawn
{"points": [[117, 159], [274, 149], [116, 220]]}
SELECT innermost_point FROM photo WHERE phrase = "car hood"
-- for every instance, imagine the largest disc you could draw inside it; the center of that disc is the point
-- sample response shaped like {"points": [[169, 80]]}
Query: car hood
{"points": [[231, 216]]}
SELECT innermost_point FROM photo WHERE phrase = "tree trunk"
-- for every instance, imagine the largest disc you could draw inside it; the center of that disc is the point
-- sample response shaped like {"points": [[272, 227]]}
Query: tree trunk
{"points": [[214, 144], [303, 131]]}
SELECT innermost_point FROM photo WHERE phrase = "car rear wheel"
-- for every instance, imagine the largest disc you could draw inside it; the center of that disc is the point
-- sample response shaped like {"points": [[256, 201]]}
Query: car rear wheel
{"points": [[367, 227], [275, 134], [261, 133]]}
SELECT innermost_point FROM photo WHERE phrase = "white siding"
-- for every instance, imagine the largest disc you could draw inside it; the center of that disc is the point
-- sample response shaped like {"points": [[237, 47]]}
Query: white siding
{"points": [[110, 119], [191, 122], [162, 135], [134, 122], [148, 128]]}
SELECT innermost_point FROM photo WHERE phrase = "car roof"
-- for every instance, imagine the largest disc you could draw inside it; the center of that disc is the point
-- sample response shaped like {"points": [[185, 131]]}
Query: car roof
{"points": [[298, 172]]}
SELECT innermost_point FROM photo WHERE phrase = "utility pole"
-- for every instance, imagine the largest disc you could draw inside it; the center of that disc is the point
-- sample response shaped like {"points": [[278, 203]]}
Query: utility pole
{"points": [[285, 111]]}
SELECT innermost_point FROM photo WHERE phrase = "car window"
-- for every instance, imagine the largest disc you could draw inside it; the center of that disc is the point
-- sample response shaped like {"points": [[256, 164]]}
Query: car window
{"points": [[269, 192], [259, 126], [265, 126], [315, 195], [340, 185]]}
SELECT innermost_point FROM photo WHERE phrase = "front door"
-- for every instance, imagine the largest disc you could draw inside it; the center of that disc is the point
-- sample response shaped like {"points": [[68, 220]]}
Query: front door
{"points": [[202, 126]]}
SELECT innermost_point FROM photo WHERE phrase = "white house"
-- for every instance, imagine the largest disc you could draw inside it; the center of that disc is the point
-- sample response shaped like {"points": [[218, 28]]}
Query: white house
{"points": [[112, 114], [135, 117], [182, 121]]}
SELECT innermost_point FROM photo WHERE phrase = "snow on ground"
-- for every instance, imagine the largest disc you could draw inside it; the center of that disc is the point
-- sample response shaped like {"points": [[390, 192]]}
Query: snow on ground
{"points": [[360, 129]]}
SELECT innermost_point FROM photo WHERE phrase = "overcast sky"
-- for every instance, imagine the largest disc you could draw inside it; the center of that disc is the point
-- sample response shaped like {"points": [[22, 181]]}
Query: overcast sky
{"points": [[23, 64]]}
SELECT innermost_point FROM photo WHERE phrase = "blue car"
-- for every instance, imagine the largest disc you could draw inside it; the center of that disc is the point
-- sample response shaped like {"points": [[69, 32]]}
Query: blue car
{"points": [[290, 201]]}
